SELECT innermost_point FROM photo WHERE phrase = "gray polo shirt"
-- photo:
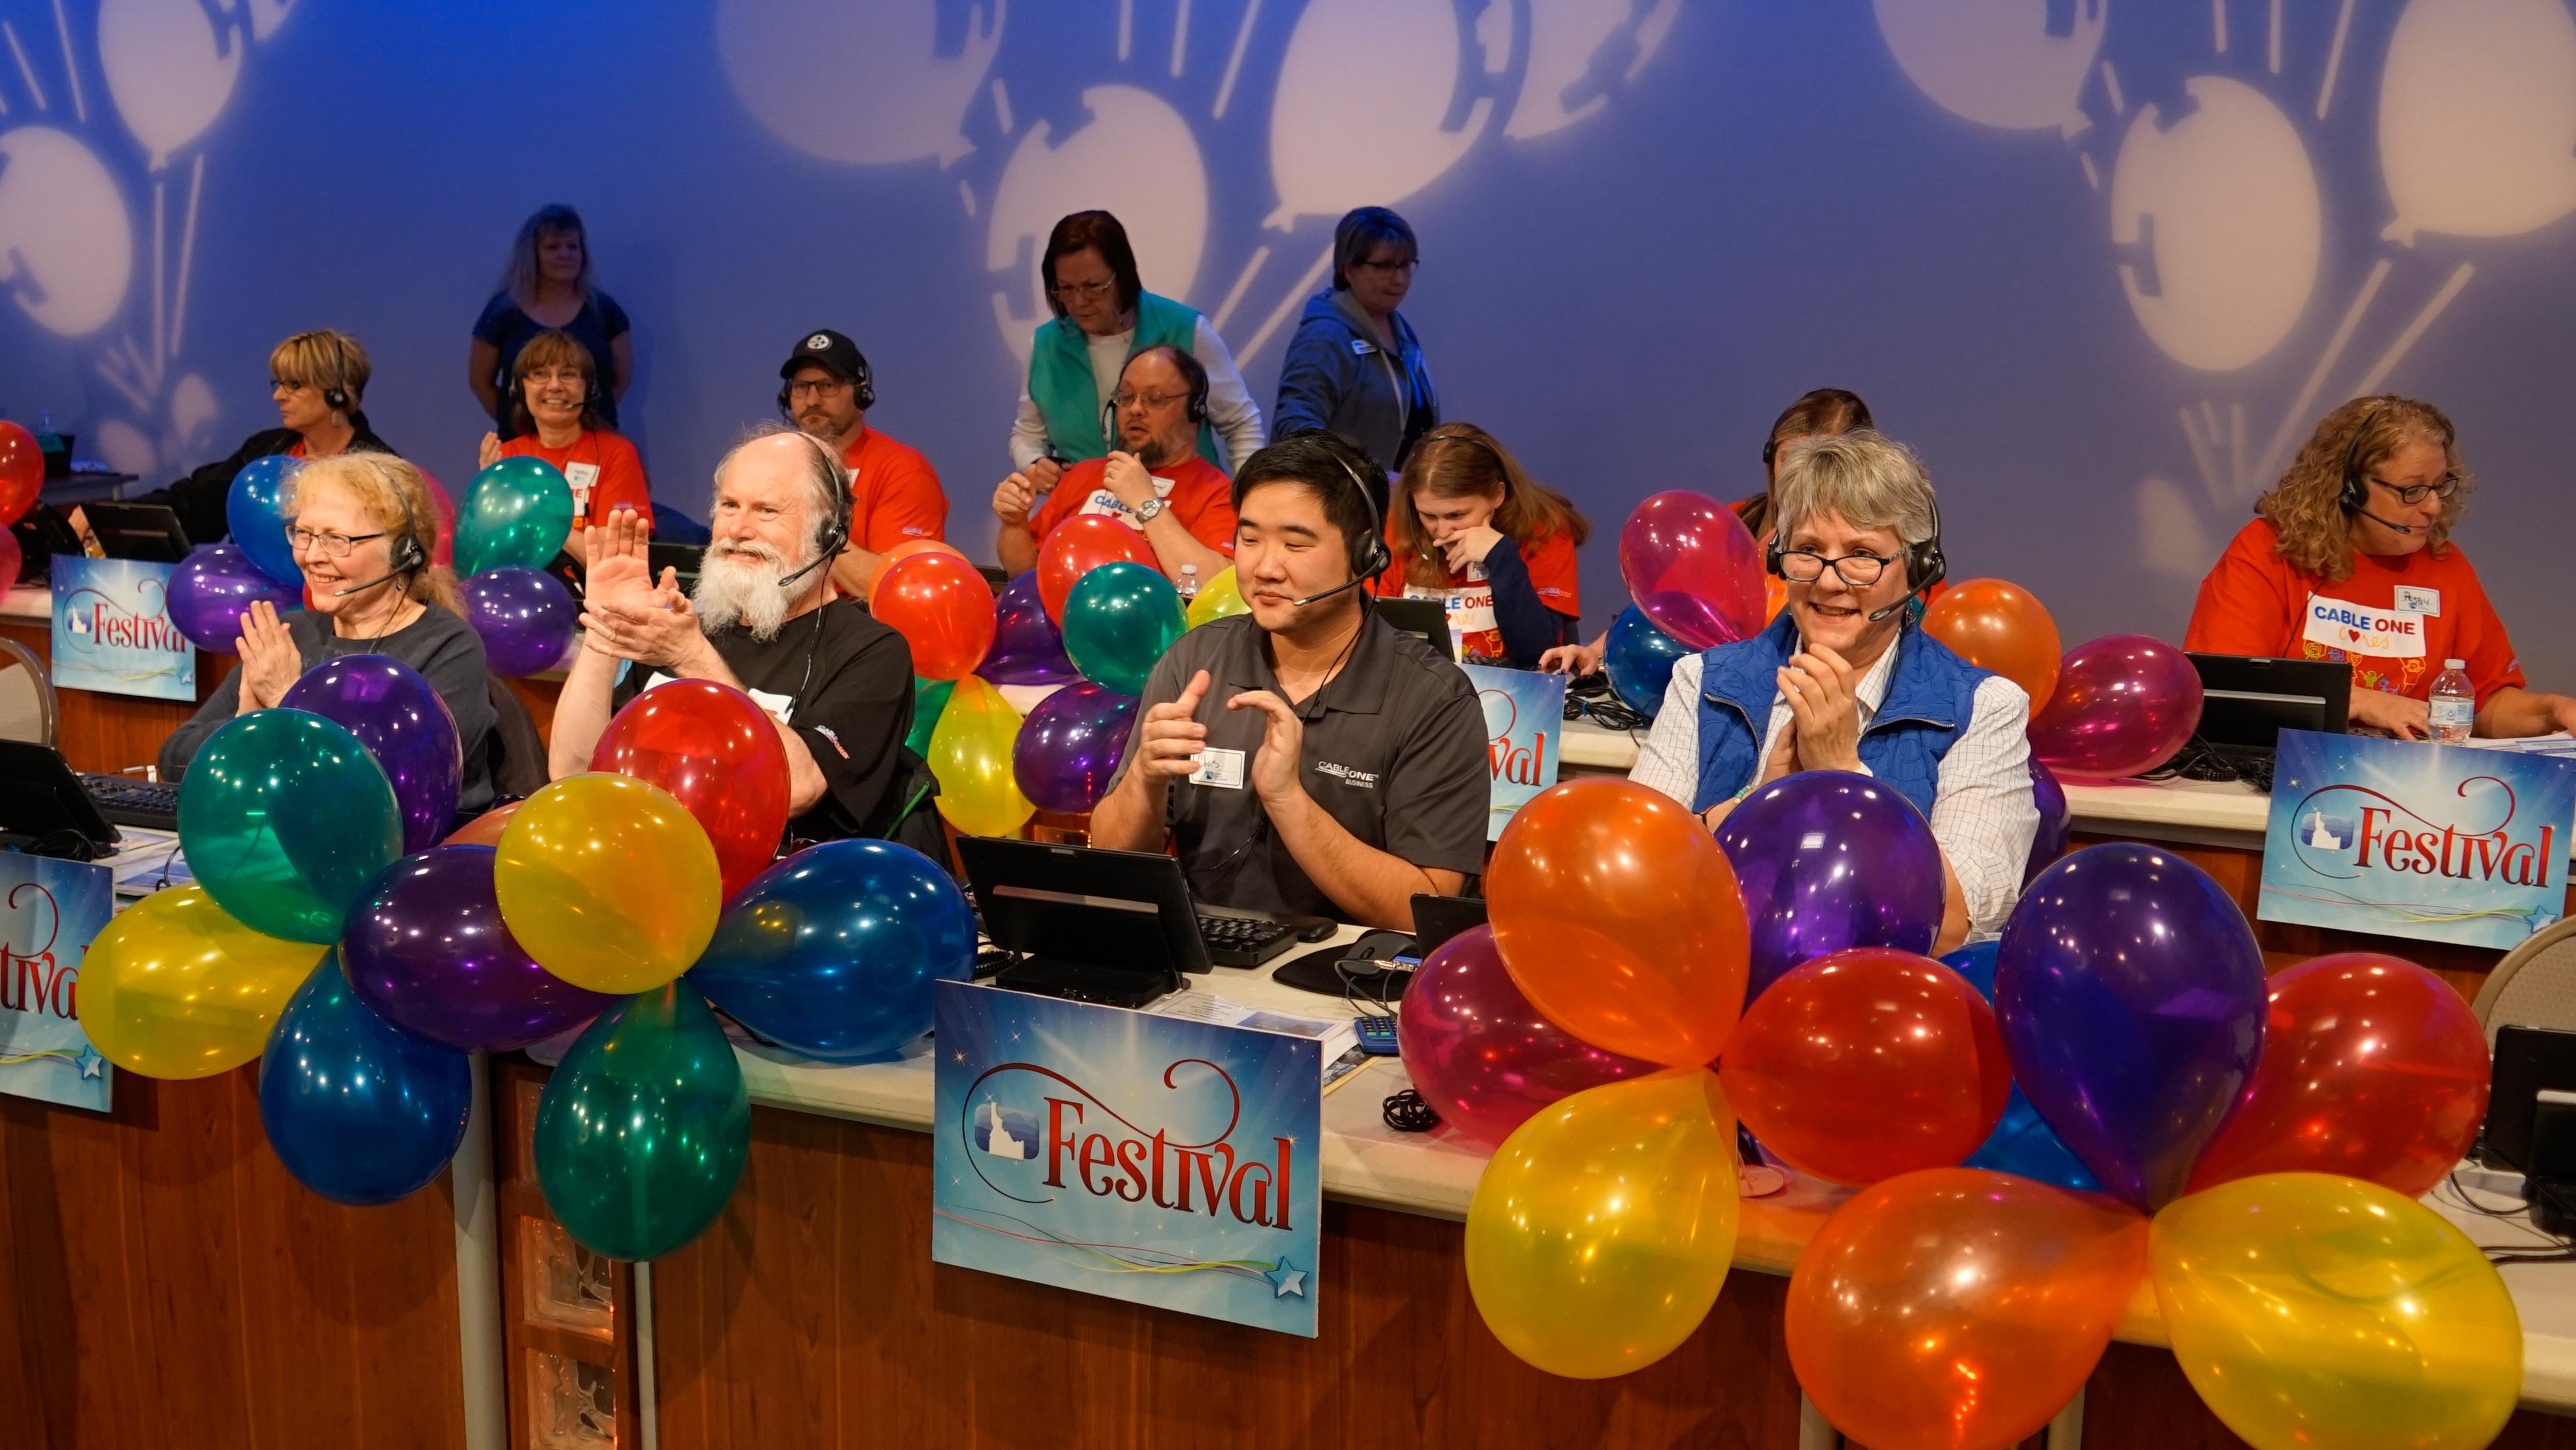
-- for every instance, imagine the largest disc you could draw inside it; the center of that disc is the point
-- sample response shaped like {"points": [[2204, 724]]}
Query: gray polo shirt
{"points": [[1395, 751]]}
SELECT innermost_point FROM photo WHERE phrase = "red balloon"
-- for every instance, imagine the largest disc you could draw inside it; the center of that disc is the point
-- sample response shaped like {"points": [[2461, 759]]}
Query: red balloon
{"points": [[1867, 1063], [485, 829], [2372, 1068], [1481, 1054], [1079, 545], [1693, 569], [941, 607], [22, 471], [12, 559], [719, 755], [2124, 704]]}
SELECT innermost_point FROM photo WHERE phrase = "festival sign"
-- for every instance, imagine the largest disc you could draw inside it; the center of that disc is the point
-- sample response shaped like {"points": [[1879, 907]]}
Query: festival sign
{"points": [[1524, 713], [2440, 842], [50, 911], [112, 629], [1146, 1158]]}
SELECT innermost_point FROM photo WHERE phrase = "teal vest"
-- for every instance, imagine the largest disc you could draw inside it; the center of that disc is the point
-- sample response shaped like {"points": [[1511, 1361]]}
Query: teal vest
{"points": [[1068, 397]]}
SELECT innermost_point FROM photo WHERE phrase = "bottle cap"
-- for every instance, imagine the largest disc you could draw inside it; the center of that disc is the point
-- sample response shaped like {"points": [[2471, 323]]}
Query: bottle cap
{"points": [[2455, 664]]}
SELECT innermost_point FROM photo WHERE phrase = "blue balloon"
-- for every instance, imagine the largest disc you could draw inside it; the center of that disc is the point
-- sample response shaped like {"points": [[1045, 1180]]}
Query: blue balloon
{"points": [[1639, 659], [357, 1109], [255, 511], [2130, 993], [2021, 1143], [832, 952]]}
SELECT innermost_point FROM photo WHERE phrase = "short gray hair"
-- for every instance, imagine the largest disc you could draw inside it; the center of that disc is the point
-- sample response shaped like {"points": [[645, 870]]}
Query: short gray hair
{"points": [[825, 477], [1870, 479]]}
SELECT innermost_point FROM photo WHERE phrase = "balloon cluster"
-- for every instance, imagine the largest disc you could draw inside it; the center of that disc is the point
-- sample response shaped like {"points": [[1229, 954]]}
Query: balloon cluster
{"points": [[336, 937], [2257, 1151], [22, 477]]}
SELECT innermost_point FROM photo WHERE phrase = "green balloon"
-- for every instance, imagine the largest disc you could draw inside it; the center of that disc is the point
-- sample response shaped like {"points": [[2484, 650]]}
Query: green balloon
{"points": [[285, 818], [516, 512], [642, 1133], [929, 699], [1118, 621]]}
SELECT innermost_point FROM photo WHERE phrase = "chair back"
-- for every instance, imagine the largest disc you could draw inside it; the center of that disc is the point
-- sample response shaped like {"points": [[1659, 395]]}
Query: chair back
{"points": [[2535, 984], [27, 707]]}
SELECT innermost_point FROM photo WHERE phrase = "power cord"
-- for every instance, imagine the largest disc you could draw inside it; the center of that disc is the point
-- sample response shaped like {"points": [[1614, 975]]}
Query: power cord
{"points": [[1591, 695], [1406, 1112]]}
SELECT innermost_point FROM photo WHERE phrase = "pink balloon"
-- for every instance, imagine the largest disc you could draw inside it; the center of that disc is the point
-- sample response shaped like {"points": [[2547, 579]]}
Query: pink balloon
{"points": [[2124, 704], [12, 559], [1481, 1054], [1693, 569], [444, 556]]}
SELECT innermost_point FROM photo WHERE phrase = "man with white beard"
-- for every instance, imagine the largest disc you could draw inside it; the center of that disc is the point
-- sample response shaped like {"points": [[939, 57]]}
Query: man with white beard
{"points": [[765, 619]]}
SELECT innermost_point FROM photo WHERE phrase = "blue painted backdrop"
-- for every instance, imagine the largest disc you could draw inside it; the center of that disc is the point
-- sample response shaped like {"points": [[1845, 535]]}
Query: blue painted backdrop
{"points": [[2101, 261]]}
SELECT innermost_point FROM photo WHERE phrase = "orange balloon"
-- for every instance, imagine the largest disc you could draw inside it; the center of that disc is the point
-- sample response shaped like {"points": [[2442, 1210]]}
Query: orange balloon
{"points": [[1618, 917], [910, 547], [1867, 1063], [1958, 1309], [941, 606], [2001, 627], [1079, 545], [22, 471], [485, 829]]}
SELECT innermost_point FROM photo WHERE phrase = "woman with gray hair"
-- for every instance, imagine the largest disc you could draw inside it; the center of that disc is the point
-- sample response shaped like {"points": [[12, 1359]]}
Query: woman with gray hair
{"points": [[1841, 680]]}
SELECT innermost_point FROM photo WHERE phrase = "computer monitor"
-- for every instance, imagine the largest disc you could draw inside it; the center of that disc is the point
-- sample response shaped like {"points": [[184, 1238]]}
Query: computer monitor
{"points": [[1438, 918], [42, 533], [137, 531], [1425, 619], [2528, 1062], [41, 800], [2248, 700], [680, 557], [1089, 924]]}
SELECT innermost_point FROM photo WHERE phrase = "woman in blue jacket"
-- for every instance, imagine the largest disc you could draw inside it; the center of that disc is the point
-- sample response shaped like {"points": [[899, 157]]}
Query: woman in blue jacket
{"points": [[1355, 366]]}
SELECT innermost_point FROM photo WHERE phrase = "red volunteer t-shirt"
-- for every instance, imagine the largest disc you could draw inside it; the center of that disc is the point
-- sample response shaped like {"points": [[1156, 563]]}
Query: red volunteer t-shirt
{"points": [[1469, 597], [604, 470], [1196, 491], [895, 495]]}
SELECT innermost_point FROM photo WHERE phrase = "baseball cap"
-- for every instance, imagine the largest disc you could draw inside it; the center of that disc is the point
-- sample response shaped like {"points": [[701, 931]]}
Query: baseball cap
{"points": [[830, 350]]}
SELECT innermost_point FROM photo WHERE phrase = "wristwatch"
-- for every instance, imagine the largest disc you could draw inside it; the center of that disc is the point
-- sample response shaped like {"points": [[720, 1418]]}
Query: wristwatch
{"points": [[1150, 510]]}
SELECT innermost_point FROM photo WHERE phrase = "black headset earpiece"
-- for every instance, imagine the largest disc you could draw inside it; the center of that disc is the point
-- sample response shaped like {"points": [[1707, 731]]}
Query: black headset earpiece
{"points": [[863, 388], [2356, 495], [408, 557], [1371, 559]]}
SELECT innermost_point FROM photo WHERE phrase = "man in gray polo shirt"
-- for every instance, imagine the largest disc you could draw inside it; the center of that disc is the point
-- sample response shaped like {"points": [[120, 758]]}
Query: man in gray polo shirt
{"points": [[1307, 757]]}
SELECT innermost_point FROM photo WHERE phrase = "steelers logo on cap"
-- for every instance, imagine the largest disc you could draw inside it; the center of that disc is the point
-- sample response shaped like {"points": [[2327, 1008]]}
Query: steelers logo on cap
{"points": [[817, 343]]}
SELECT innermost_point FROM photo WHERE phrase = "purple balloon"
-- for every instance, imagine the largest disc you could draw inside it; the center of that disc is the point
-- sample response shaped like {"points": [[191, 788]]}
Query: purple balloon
{"points": [[213, 588], [425, 947], [1828, 860], [2056, 821], [404, 725], [1070, 745], [2130, 994], [1027, 647], [526, 618]]}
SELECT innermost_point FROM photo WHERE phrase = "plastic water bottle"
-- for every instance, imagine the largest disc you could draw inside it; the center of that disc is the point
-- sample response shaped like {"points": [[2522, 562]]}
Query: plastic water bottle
{"points": [[2454, 705], [1189, 584]]}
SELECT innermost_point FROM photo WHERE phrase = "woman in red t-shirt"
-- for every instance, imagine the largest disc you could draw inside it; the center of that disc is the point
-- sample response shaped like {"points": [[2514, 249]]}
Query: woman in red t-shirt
{"points": [[1471, 529], [2350, 559], [553, 405]]}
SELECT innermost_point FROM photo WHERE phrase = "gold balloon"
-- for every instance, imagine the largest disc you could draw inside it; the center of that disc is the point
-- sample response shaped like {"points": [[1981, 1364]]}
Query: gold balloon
{"points": [[608, 882], [2314, 1312], [1603, 1227], [176, 988], [1219, 597], [970, 753]]}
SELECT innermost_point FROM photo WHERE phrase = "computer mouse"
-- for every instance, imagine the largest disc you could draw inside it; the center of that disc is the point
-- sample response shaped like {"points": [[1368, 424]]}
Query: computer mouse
{"points": [[1313, 928]]}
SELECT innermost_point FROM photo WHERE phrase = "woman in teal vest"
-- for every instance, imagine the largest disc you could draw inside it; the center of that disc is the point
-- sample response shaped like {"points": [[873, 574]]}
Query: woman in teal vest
{"points": [[1103, 317]]}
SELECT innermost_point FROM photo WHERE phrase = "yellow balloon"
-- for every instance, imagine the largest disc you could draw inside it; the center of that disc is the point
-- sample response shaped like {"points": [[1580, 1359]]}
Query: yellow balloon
{"points": [[608, 883], [2315, 1312], [1603, 1227], [1219, 597], [175, 988], [970, 753]]}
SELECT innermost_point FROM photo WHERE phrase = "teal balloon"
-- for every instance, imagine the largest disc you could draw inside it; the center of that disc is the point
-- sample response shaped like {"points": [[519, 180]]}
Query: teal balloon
{"points": [[359, 1110], [642, 1132], [929, 699], [285, 817], [1118, 621], [517, 514]]}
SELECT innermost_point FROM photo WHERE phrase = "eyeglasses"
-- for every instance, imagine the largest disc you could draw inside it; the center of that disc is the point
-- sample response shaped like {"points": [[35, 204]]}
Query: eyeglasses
{"points": [[818, 388], [1404, 268], [538, 377], [1084, 291], [2413, 493], [281, 385], [330, 545], [1805, 566], [1148, 401]]}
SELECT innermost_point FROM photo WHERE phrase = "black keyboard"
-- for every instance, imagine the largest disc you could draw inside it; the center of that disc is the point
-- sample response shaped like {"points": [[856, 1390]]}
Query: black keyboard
{"points": [[132, 801], [1243, 941]]}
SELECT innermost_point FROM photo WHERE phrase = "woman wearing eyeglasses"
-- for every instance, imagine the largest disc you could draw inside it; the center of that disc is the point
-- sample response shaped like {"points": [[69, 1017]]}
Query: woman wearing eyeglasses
{"points": [[1355, 366], [2349, 558], [552, 412], [317, 379], [363, 529], [1103, 317]]}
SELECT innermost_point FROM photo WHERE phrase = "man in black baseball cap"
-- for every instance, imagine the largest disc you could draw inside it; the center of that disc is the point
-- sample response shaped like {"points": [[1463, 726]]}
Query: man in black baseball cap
{"points": [[826, 389]]}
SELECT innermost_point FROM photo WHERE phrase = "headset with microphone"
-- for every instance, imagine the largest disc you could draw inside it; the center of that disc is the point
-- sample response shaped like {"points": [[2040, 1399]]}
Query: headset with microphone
{"points": [[406, 557], [1924, 564], [836, 536], [863, 384], [1370, 558], [2356, 490], [1198, 409]]}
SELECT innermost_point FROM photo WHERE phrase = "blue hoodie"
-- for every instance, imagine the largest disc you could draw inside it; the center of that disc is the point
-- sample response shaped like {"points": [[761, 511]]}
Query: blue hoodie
{"points": [[1339, 376]]}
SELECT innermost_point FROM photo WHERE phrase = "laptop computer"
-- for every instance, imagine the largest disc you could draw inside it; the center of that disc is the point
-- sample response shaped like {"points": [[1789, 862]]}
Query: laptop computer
{"points": [[1093, 925], [43, 809], [137, 530]]}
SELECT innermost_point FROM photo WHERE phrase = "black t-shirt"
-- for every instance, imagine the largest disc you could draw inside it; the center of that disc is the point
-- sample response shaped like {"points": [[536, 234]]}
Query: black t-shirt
{"points": [[1395, 750], [848, 683]]}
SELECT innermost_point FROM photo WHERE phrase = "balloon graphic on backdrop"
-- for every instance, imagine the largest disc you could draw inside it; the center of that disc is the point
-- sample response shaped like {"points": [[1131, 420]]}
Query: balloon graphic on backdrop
{"points": [[517, 512], [213, 588], [1117, 623], [1999, 626], [404, 725], [427, 950], [2130, 993], [1069, 747], [720, 757], [1363, 111], [1639, 660], [941, 606], [357, 1109], [608, 882], [1079, 545], [1027, 648], [173, 987], [970, 755], [170, 64], [1693, 569], [66, 240], [1481, 1055], [285, 818], [1999, 62], [1827, 860], [2477, 117], [1577, 51], [2022, 1142], [22, 471], [644, 1128], [255, 511], [905, 86], [525, 616], [2124, 704]]}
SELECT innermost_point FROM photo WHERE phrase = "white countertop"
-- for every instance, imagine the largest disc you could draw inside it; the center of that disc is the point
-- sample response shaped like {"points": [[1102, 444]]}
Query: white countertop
{"points": [[27, 603]]}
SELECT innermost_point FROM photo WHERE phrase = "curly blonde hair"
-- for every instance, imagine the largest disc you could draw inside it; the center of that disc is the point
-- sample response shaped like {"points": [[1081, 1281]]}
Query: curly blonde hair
{"points": [[394, 493], [2306, 507]]}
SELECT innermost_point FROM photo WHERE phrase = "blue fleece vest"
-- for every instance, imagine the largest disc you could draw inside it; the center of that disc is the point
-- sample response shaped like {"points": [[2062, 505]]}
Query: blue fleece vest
{"points": [[1931, 696]]}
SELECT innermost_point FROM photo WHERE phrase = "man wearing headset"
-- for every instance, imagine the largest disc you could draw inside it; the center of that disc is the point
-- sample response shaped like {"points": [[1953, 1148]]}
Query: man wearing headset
{"points": [[1154, 482], [1843, 680], [764, 619], [826, 388], [1307, 757]]}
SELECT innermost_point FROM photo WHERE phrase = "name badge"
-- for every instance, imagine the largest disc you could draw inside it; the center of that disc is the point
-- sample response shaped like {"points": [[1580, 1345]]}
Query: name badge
{"points": [[1219, 767], [2412, 599], [2342, 625], [581, 476]]}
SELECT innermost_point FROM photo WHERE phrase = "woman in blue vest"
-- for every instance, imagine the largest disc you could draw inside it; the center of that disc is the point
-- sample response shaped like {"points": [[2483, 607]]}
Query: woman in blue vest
{"points": [[1103, 317], [1844, 680]]}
